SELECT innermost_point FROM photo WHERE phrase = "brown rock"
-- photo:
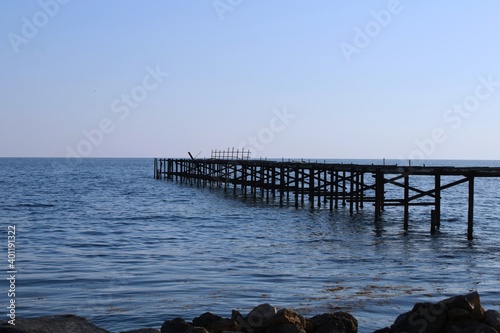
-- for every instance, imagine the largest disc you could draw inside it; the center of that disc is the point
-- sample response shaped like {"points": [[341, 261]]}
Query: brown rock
{"points": [[474, 299], [458, 302], [457, 314], [143, 330], [243, 326], [235, 314], [261, 316], [52, 324], [222, 325], [177, 325], [206, 319], [310, 326], [196, 329], [467, 326], [338, 322], [288, 317], [478, 312], [285, 329], [492, 319], [424, 317]]}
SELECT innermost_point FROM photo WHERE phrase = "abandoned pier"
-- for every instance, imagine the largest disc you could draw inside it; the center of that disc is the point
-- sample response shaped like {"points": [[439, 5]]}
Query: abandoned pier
{"points": [[327, 185]]}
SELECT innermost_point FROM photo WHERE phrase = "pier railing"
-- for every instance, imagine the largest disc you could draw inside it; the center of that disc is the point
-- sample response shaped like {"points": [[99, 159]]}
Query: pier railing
{"points": [[231, 154], [327, 184]]}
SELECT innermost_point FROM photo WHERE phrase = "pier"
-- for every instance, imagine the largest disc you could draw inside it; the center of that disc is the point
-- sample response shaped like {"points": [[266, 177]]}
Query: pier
{"points": [[327, 185]]}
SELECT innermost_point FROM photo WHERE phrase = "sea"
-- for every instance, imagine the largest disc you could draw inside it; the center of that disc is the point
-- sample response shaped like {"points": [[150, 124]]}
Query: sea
{"points": [[103, 239]]}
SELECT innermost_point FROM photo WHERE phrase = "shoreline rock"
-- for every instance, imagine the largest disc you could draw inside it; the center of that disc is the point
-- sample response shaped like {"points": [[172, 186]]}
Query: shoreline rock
{"points": [[265, 319], [52, 324], [459, 314]]}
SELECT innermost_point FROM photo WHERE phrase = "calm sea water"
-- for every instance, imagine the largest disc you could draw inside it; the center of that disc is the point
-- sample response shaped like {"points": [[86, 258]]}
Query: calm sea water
{"points": [[102, 239]]}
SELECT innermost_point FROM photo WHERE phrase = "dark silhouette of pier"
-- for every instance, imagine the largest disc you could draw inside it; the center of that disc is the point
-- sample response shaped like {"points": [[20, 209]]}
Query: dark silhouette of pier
{"points": [[327, 184]]}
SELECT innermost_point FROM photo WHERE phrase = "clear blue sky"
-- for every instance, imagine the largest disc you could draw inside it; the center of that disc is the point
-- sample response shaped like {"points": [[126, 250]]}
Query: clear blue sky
{"points": [[295, 78]]}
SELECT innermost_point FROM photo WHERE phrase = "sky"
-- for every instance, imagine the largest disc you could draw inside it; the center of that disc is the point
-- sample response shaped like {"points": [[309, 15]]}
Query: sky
{"points": [[295, 79]]}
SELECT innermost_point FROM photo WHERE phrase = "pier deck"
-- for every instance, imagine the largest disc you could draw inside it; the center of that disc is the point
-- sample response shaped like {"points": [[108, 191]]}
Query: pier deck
{"points": [[328, 184]]}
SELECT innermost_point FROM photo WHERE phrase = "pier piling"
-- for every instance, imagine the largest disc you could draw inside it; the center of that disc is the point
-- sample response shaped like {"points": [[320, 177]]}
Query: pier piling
{"points": [[470, 218], [326, 184]]}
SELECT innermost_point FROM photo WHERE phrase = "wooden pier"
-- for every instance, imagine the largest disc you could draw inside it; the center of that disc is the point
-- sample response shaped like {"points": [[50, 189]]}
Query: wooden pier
{"points": [[328, 185]]}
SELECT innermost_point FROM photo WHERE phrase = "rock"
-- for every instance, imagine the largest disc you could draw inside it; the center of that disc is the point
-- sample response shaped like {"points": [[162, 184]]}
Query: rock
{"points": [[177, 325], [382, 330], [285, 317], [285, 329], [310, 326], [52, 324], [470, 302], [474, 299], [338, 322], [216, 324], [206, 319], [401, 318], [478, 311], [424, 317], [242, 324], [287, 321], [492, 319], [261, 316], [222, 325], [143, 330], [458, 302], [196, 329], [235, 314], [457, 314], [467, 326]]}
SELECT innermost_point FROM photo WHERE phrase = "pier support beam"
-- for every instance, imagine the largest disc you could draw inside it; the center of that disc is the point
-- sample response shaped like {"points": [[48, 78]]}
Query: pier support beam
{"points": [[344, 188], [235, 178], [336, 189], [357, 191], [379, 193], [311, 187], [433, 221], [362, 194], [470, 224], [332, 188], [437, 201], [351, 193], [282, 184], [297, 179], [406, 202], [156, 169]]}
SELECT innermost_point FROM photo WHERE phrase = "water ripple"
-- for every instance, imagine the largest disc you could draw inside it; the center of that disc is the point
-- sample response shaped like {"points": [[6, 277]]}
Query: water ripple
{"points": [[102, 239]]}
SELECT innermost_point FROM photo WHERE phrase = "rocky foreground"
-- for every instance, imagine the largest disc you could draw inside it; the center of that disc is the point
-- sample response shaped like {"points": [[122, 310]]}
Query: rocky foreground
{"points": [[459, 314]]}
